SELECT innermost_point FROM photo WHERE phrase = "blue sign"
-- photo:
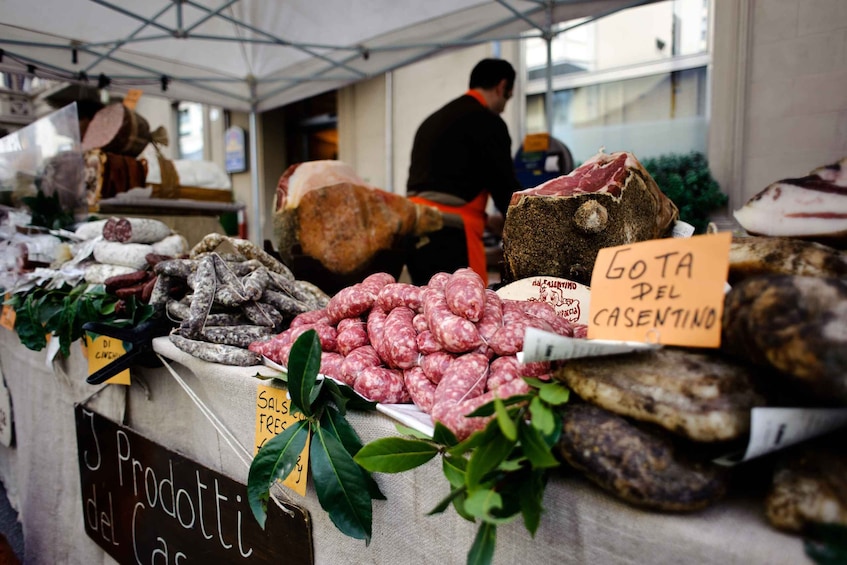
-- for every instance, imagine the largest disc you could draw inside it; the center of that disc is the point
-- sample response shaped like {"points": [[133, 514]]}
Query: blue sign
{"points": [[235, 151]]}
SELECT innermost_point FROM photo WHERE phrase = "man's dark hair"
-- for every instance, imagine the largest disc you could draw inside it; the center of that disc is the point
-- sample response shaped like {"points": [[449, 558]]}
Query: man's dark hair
{"points": [[489, 72]]}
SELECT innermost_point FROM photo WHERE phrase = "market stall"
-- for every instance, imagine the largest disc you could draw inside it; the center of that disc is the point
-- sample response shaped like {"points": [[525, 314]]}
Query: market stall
{"points": [[580, 525]]}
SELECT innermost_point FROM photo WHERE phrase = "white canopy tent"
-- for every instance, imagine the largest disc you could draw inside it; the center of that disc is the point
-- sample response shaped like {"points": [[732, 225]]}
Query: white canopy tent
{"points": [[255, 55]]}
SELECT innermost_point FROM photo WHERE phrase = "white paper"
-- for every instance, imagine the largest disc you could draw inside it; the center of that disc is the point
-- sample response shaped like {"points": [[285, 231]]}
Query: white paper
{"points": [[772, 429], [539, 345], [682, 229]]}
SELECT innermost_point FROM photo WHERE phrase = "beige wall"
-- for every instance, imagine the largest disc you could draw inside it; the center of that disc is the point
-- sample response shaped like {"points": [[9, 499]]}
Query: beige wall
{"points": [[779, 106]]}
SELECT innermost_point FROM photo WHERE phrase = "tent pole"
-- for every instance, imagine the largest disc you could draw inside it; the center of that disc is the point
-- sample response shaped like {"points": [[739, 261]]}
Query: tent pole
{"points": [[256, 227], [548, 97]]}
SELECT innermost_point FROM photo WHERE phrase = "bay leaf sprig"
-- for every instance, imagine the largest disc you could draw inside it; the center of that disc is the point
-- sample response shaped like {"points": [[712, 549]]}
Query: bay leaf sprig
{"points": [[344, 489], [495, 475]]}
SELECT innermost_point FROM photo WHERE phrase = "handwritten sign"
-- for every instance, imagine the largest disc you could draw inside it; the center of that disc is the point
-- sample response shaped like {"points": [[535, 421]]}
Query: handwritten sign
{"points": [[102, 350], [143, 503], [272, 418], [7, 435], [667, 291], [132, 97]]}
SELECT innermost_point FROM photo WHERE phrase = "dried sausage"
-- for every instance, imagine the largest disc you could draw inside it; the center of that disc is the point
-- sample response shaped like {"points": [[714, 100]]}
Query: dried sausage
{"points": [[255, 283], [240, 336], [204, 295], [216, 352], [465, 294], [135, 230], [122, 281]]}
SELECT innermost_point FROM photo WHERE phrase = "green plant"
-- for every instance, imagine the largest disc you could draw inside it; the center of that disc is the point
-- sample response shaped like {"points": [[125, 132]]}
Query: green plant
{"points": [[686, 180], [344, 489], [62, 312], [826, 544], [496, 474], [47, 211]]}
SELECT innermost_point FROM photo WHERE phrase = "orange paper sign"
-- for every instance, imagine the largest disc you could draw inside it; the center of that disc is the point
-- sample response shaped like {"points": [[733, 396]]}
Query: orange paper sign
{"points": [[273, 417], [669, 291], [536, 142]]}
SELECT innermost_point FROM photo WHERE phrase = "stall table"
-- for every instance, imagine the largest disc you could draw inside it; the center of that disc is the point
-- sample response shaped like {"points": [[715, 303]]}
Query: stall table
{"points": [[581, 524]]}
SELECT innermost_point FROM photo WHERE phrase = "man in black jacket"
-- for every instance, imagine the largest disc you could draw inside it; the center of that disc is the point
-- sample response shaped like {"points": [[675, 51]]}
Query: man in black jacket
{"points": [[461, 155]]}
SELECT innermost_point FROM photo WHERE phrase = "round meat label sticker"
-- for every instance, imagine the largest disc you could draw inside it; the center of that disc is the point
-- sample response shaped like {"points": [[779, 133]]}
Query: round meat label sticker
{"points": [[570, 299]]}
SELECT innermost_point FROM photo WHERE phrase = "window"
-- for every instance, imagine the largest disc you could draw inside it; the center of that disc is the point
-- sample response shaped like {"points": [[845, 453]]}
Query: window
{"points": [[190, 131], [635, 81]]}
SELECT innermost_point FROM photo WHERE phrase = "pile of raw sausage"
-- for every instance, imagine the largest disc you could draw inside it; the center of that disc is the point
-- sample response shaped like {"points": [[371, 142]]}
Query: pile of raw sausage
{"points": [[449, 346]]}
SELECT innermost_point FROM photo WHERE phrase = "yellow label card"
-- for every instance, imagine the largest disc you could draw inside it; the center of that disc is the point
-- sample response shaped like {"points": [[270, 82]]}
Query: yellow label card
{"points": [[272, 418], [102, 350]]}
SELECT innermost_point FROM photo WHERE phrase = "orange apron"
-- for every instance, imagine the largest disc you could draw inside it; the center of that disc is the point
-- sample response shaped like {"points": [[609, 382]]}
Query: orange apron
{"points": [[473, 218]]}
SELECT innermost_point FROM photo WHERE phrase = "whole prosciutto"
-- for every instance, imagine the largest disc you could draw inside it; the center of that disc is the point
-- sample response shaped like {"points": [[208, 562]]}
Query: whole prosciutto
{"points": [[557, 228]]}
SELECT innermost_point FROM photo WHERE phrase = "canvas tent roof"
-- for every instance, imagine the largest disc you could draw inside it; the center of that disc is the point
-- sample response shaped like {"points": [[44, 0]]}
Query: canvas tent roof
{"points": [[254, 55]]}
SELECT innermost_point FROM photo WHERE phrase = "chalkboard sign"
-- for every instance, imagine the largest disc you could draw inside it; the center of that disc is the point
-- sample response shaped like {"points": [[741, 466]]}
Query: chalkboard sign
{"points": [[143, 503]]}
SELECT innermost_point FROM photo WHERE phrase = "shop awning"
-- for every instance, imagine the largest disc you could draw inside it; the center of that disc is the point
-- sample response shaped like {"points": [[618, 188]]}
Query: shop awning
{"points": [[254, 55]]}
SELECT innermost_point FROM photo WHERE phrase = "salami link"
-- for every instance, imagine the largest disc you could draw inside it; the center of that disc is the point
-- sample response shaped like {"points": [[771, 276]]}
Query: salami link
{"points": [[147, 289], [135, 230], [228, 295], [255, 283], [350, 302], [464, 378], [357, 361], [261, 314], [420, 388], [204, 295], [399, 338], [286, 305], [216, 352], [382, 385], [453, 332], [240, 336], [465, 294], [399, 294], [176, 310], [123, 281], [179, 268]]}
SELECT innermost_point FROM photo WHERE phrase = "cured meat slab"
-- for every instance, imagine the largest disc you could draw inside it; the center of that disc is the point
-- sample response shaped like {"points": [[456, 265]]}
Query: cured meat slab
{"points": [[794, 324], [117, 129], [700, 396], [557, 228], [750, 256], [812, 207], [643, 467]]}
